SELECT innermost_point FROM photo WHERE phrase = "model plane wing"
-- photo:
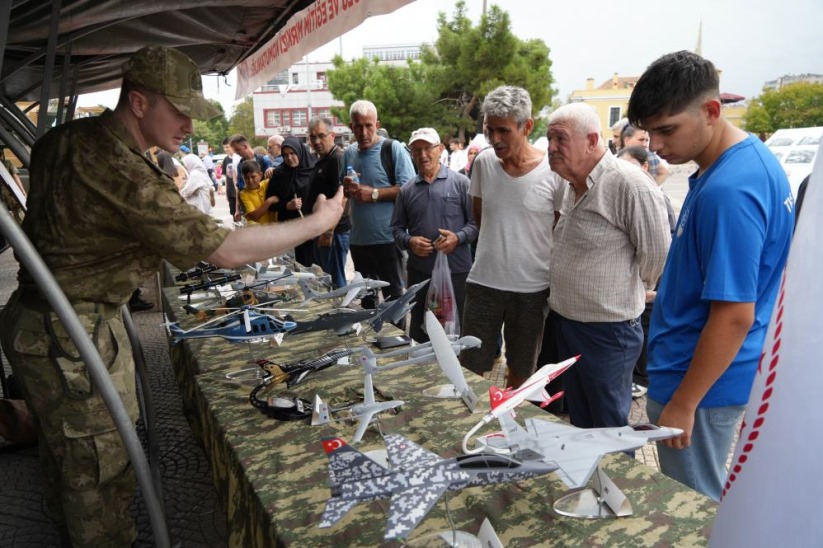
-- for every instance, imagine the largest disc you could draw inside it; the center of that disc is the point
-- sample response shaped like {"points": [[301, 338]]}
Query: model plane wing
{"points": [[444, 353], [350, 296], [576, 462], [335, 510], [410, 506], [404, 453], [347, 463]]}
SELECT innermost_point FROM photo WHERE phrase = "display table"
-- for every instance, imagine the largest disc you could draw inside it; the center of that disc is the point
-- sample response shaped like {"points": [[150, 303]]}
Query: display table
{"points": [[273, 478]]}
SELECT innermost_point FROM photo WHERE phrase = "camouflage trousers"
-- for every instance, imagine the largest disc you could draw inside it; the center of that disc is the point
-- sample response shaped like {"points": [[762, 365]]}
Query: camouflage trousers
{"points": [[88, 481]]}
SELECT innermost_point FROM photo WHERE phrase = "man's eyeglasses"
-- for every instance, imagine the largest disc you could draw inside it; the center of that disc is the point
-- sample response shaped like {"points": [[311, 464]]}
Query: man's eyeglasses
{"points": [[318, 137], [422, 150]]}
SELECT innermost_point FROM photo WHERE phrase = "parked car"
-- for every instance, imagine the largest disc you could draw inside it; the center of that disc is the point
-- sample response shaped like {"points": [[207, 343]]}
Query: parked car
{"points": [[796, 149]]}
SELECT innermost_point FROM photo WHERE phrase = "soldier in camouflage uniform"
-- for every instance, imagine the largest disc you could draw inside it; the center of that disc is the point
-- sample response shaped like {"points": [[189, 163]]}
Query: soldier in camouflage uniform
{"points": [[102, 216]]}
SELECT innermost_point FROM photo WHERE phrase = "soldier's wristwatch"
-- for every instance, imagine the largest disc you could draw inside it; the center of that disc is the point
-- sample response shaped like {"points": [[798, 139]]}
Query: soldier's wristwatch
{"points": [[374, 195]]}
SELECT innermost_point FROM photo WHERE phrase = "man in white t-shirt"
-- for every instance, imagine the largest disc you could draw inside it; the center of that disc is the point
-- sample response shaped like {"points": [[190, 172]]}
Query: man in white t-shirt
{"points": [[514, 195]]}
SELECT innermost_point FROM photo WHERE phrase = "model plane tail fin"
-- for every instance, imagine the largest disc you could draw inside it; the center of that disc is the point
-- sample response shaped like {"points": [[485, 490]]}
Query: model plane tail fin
{"points": [[497, 396], [347, 463]]}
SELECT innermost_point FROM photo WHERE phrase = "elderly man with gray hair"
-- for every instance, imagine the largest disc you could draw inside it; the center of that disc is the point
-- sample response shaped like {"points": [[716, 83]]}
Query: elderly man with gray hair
{"points": [[514, 199], [273, 145], [610, 247], [371, 199]]}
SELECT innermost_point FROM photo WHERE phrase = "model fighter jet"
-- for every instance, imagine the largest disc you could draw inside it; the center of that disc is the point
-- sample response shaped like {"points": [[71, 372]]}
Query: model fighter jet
{"points": [[343, 321], [575, 452], [357, 289], [415, 480]]}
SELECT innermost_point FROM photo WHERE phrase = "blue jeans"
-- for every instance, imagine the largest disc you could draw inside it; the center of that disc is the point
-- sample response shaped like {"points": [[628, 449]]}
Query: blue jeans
{"points": [[702, 465], [598, 388], [332, 259]]}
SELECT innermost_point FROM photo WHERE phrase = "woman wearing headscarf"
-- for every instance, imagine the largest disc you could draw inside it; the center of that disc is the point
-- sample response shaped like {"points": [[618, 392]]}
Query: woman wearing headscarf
{"points": [[290, 183], [197, 188]]}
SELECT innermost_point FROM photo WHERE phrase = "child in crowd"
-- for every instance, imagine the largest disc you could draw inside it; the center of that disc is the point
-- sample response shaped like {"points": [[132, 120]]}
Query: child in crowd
{"points": [[253, 195]]}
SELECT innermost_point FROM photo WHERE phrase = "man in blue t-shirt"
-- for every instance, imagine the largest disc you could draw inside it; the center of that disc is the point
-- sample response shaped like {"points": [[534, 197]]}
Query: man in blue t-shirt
{"points": [[723, 271], [372, 246]]}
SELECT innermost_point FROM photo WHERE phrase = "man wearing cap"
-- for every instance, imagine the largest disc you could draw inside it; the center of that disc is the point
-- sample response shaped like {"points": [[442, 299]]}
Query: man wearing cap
{"points": [[433, 213], [100, 236]]}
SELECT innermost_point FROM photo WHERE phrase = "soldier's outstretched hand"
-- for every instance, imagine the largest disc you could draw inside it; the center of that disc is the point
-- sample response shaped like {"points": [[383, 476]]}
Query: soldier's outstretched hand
{"points": [[329, 209]]}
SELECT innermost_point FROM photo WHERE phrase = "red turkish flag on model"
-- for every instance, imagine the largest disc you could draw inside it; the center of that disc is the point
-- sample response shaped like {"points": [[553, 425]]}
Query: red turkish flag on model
{"points": [[771, 496]]}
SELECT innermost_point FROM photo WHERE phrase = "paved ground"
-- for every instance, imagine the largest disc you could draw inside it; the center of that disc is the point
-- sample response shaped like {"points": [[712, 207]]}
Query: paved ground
{"points": [[193, 512]]}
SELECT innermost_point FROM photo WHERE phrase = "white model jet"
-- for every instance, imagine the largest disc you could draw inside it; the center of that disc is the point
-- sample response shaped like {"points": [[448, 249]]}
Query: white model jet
{"points": [[575, 452], [362, 412], [415, 481], [534, 389], [356, 289]]}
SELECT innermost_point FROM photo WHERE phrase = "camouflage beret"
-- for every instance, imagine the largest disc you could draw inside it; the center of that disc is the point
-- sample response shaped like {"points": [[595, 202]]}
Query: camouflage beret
{"points": [[175, 75]]}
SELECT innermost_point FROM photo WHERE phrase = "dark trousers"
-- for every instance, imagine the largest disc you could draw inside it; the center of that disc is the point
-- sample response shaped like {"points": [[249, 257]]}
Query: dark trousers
{"points": [[522, 317], [550, 354], [304, 253], [418, 312], [379, 262], [333, 258], [640, 376], [599, 386]]}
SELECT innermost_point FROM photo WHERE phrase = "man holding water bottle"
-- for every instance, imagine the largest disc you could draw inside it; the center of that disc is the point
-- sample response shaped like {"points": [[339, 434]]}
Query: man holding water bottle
{"points": [[371, 200]]}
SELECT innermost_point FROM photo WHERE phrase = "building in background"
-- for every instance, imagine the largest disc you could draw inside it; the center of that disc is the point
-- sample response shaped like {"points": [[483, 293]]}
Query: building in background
{"points": [[792, 79], [288, 101], [609, 100]]}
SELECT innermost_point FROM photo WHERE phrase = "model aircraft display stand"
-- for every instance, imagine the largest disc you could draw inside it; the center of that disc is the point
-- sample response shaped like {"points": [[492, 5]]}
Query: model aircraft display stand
{"points": [[273, 477], [603, 500]]}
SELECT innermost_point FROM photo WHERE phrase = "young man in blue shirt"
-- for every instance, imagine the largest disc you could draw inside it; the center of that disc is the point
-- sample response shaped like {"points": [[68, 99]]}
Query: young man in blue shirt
{"points": [[723, 270]]}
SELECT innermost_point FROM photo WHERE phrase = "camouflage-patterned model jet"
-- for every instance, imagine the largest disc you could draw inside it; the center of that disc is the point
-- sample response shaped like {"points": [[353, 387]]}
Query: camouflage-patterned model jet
{"points": [[358, 288], [575, 452], [415, 480]]}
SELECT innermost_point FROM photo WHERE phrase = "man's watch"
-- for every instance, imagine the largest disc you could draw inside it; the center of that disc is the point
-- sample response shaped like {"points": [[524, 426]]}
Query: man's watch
{"points": [[374, 195]]}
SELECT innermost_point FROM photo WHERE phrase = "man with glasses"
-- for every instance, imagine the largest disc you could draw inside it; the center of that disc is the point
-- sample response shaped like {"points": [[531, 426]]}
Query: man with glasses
{"points": [[433, 213], [371, 200], [332, 247], [515, 197]]}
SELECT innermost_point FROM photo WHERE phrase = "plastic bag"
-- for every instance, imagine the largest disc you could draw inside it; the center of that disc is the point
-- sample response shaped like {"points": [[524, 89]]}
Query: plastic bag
{"points": [[440, 297]]}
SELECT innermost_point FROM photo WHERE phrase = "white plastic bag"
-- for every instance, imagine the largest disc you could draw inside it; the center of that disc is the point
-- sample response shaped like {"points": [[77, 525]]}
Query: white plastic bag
{"points": [[440, 297]]}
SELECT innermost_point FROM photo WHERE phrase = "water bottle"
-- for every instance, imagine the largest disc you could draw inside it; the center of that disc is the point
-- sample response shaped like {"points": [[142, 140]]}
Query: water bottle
{"points": [[350, 172]]}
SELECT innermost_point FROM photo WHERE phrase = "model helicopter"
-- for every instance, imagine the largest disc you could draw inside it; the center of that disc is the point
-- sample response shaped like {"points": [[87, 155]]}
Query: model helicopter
{"points": [[358, 288], [415, 480], [247, 324]]}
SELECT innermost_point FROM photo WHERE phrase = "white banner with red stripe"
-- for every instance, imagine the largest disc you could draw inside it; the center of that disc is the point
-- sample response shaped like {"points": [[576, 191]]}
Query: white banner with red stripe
{"points": [[771, 496], [306, 31]]}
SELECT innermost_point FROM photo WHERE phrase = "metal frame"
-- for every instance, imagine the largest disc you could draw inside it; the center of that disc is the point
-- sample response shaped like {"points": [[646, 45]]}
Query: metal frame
{"points": [[97, 370]]}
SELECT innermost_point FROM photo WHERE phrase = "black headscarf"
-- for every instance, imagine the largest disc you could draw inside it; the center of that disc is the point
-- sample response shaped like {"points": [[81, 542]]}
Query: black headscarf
{"points": [[287, 181]]}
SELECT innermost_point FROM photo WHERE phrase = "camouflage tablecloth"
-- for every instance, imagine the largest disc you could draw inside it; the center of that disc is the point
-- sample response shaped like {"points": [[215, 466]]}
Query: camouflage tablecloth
{"points": [[273, 476]]}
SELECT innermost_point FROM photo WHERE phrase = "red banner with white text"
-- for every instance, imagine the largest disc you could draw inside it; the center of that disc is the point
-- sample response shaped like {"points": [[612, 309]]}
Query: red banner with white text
{"points": [[306, 31]]}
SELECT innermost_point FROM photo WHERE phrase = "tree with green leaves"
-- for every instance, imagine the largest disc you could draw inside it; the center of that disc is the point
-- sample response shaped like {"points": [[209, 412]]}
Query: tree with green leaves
{"points": [[794, 105], [212, 131], [242, 122], [446, 88]]}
